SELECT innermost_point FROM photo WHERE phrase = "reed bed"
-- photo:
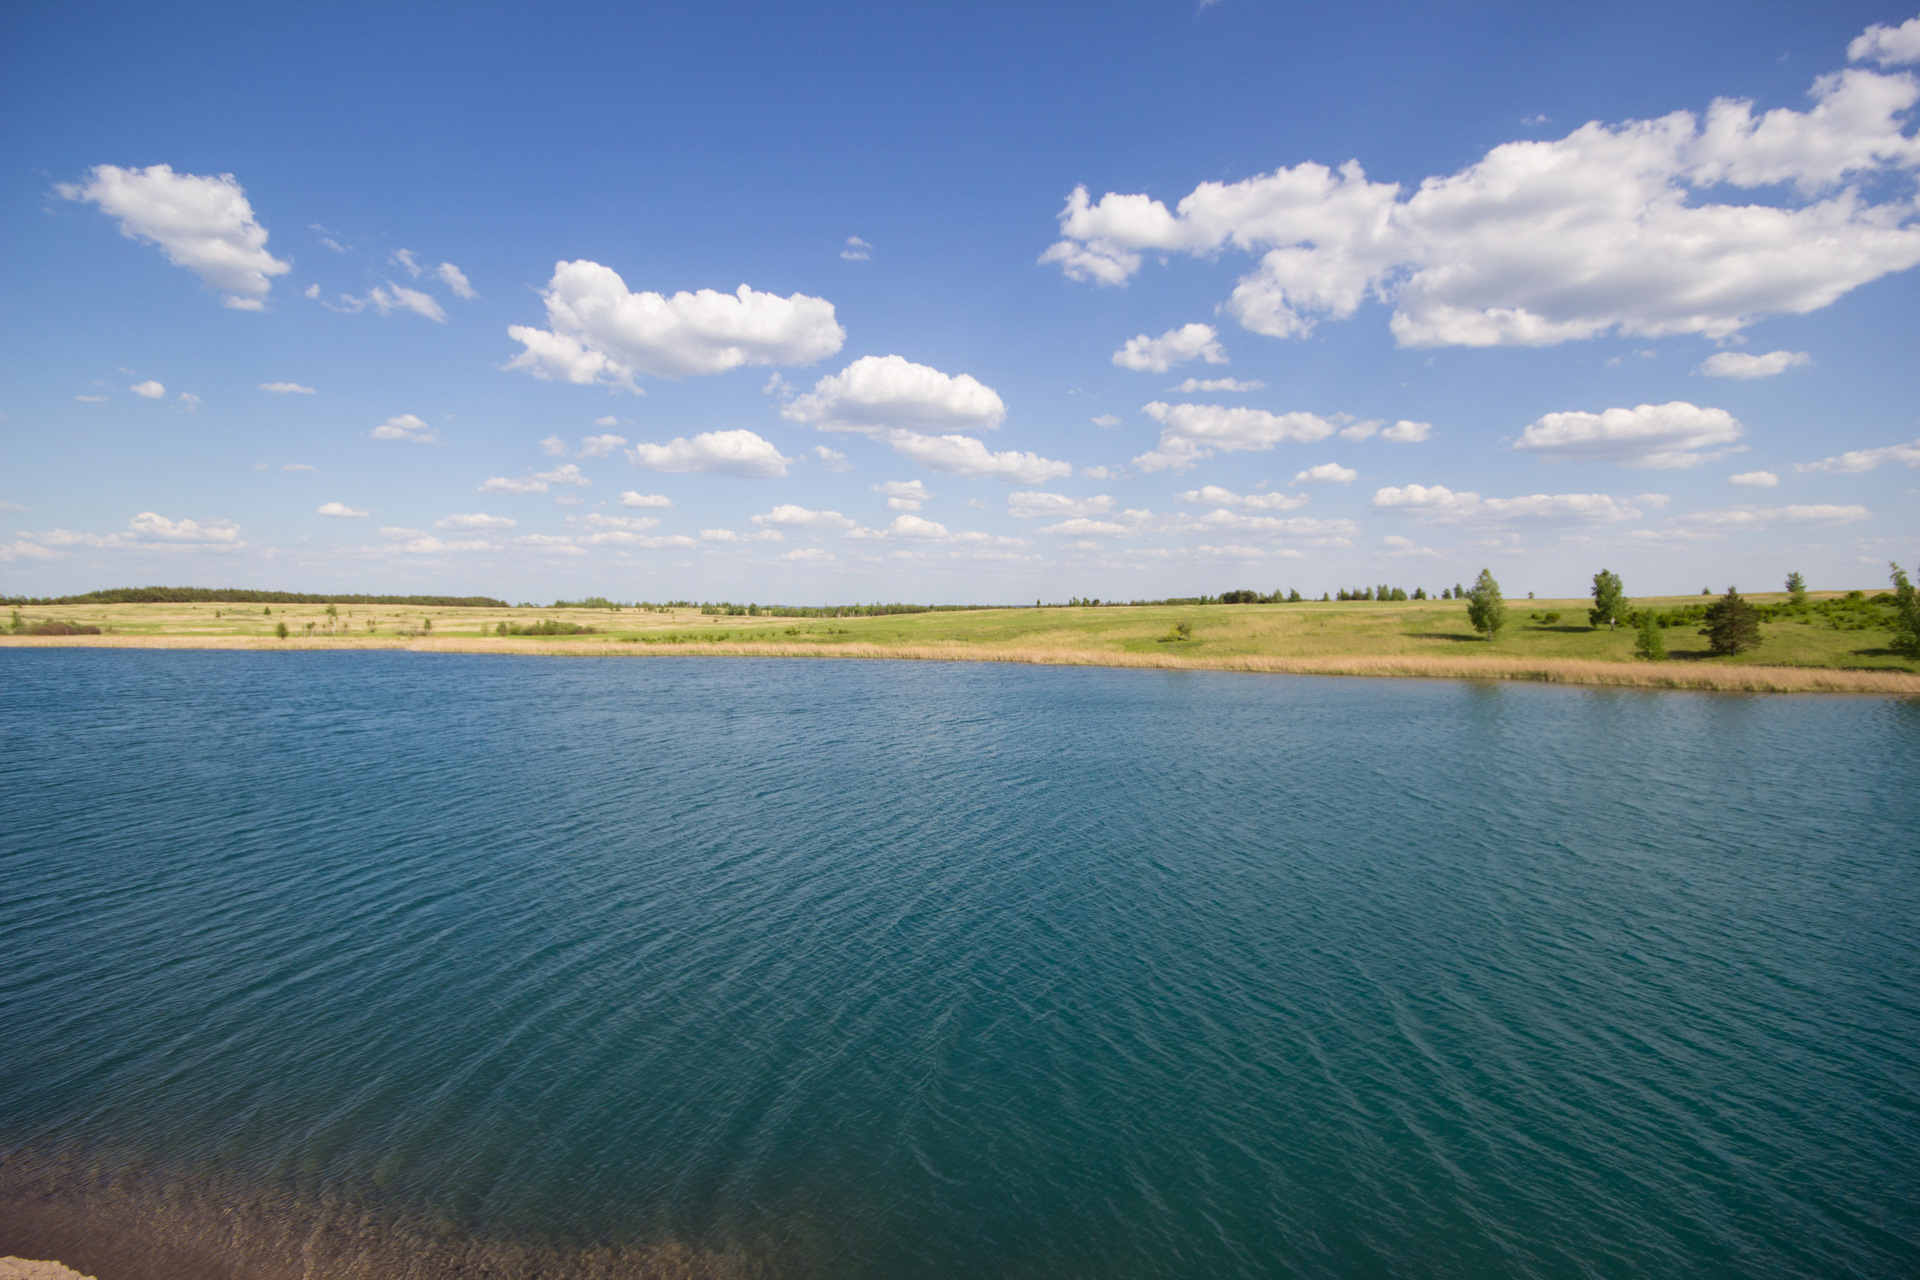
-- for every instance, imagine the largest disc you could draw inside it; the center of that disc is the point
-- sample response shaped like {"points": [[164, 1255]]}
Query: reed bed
{"points": [[1710, 677]]}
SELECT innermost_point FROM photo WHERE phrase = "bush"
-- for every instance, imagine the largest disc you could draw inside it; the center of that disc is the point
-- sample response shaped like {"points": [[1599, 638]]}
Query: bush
{"points": [[1647, 640]]}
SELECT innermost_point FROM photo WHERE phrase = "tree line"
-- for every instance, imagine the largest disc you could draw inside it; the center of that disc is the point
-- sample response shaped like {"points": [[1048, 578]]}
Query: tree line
{"points": [[237, 595]]}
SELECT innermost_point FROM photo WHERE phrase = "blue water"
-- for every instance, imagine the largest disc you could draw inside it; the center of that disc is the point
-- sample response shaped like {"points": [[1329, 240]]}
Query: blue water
{"points": [[951, 970]]}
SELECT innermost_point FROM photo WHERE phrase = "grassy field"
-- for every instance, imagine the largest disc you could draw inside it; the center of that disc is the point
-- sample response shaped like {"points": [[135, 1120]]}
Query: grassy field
{"points": [[1415, 638]]}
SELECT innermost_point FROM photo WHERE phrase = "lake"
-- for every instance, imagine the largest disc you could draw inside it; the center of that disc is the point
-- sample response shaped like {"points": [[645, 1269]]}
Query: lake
{"points": [[371, 963]]}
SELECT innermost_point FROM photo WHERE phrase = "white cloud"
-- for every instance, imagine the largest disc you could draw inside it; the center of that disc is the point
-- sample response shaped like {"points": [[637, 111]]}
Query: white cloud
{"points": [[857, 250], [1395, 545], [158, 528], [1213, 495], [602, 333], [881, 393], [633, 498], [1102, 473], [1405, 432], [405, 426], [606, 420], [338, 509], [1888, 46], [1754, 480], [91, 399], [1745, 517], [1611, 228], [456, 280], [968, 457], [728, 535], [404, 258], [1334, 532], [296, 466], [397, 297], [629, 524], [554, 447], [807, 555], [1328, 472], [789, 516], [1738, 364], [903, 495], [1081, 527], [727, 453], [1191, 432], [475, 520], [149, 390], [313, 290], [1050, 506], [567, 474], [600, 446], [189, 401], [201, 223], [286, 388], [1858, 460], [906, 526], [148, 530], [506, 484], [1659, 436], [833, 459], [1175, 346], [1192, 385], [1109, 420], [1436, 504]]}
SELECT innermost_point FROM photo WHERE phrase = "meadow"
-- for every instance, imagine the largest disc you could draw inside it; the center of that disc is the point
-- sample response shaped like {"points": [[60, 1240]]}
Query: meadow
{"points": [[1543, 640]]}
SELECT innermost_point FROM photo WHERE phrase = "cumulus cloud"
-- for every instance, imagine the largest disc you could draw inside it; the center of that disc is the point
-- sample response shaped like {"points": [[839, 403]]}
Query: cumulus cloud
{"points": [[633, 498], [832, 459], [903, 495], [405, 426], [906, 526], [204, 224], [160, 529], [1324, 532], [1657, 436], [475, 520], [1405, 432], [1108, 420], [1858, 460], [726, 453], [1192, 432], [600, 332], [807, 555], [1327, 473], [1738, 364], [1192, 385], [1611, 228], [1083, 527], [1746, 517], [286, 388], [1031, 505], [1396, 545], [567, 474], [1175, 346], [397, 297], [456, 280], [1213, 495], [148, 390], [1754, 480], [148, 530], [600, 446], [857, 250], [91, 399], [554, 447], [339, 509], [1437, 504], [538, 482], [629, 524], [965, 456], [1888, 46], [789, 516], [881, 393]]}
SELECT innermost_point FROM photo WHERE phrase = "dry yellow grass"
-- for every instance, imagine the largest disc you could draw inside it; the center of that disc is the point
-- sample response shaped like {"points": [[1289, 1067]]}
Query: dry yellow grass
{"points": [[1752, 678]]}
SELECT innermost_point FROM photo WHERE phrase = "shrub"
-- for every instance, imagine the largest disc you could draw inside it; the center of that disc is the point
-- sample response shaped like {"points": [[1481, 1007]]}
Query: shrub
{"points": [[1733, 625]]}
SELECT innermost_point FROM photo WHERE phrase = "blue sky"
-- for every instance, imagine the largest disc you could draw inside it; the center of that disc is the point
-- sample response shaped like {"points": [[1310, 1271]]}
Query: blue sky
{"points": [[1120, 300]]}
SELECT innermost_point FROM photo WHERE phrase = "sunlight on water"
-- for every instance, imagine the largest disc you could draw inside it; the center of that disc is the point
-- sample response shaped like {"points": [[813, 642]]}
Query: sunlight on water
{"points": [[383, 964]]}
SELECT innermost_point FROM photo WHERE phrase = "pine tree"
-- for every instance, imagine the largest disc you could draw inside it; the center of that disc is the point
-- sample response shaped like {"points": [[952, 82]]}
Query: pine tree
{"points": [[1609, 600], [1648, 642], [1733, 625], [1906, 616], [1486, 609]]}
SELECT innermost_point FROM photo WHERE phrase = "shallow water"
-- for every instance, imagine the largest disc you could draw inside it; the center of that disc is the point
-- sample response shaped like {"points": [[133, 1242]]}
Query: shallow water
{"points": [[919, 969]]}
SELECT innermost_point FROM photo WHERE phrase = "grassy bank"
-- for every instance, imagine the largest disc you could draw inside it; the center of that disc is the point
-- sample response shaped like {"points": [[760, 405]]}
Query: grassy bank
{"points": [[1416, 638]]}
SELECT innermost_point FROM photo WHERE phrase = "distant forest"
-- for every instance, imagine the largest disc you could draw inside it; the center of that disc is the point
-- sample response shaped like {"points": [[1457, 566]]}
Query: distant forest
{"points": [[233, 595]]}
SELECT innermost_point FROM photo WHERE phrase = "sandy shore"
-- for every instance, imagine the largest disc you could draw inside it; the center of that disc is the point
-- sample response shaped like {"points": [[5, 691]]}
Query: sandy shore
{"points": [[29, 1269], [1639, 675]]}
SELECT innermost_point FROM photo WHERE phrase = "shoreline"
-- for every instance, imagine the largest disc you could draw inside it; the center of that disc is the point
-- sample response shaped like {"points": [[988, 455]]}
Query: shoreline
{"points": [[1670, 675]]}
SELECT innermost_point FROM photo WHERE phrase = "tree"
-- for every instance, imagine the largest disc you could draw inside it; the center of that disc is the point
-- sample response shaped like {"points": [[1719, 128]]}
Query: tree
{"points": [[1486, 610], [1647, 641], [1609, 600], [280, 629], [1906, 616], [1733, 625], [1797, 586]]}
